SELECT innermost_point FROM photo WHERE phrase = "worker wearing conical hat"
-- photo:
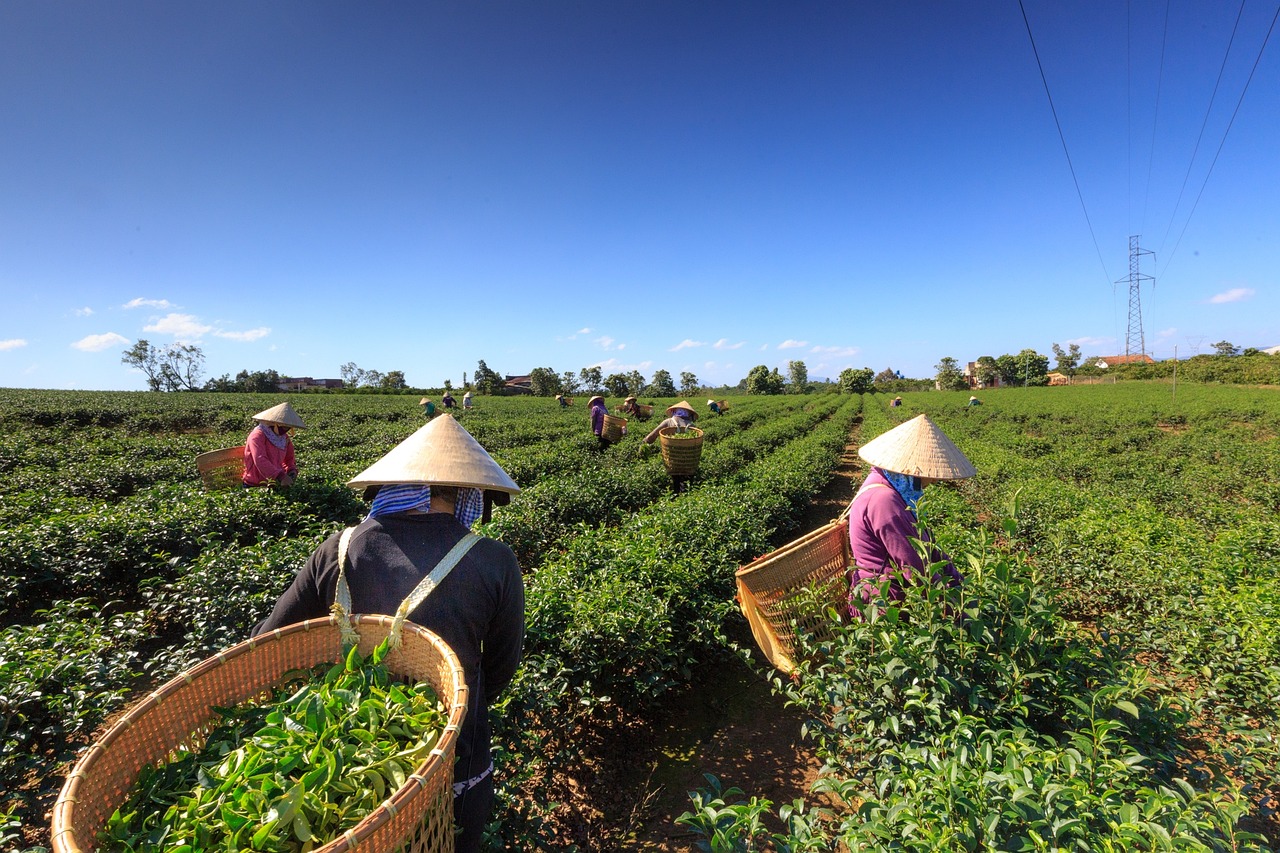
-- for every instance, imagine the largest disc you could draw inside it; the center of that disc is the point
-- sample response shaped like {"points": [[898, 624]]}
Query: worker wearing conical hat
{"points": [[426, 493], [882, 517], [596, 410], [629, 406], [269, 459], [713, 406]]}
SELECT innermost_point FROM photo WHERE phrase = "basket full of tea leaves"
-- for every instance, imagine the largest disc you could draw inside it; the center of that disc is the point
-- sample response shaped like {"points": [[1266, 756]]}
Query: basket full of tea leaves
{"points": [[274, 745]]}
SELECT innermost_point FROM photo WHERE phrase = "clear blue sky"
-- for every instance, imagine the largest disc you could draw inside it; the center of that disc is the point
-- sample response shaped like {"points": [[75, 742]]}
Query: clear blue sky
{"points": [[638, 184]]}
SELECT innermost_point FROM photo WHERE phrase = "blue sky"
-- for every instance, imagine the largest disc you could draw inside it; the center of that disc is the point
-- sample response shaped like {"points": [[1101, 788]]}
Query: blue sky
{"points": [[701, 186]]}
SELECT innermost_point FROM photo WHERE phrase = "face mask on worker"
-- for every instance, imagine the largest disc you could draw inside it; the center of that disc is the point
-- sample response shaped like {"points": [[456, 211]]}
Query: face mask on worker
{"points": [[909, 488]]}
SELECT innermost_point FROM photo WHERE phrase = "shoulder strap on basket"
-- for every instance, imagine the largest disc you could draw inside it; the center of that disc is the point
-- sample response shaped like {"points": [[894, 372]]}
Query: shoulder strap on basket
{"points": [[428, 584], [341, 607]]}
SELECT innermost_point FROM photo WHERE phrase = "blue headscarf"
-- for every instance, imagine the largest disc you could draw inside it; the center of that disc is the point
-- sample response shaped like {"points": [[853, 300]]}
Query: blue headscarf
{"points": [[403, 497], [905, 486]]}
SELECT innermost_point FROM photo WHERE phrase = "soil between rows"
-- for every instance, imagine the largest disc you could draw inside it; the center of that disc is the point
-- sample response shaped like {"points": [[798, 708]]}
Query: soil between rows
{"points": [[731, 726]]}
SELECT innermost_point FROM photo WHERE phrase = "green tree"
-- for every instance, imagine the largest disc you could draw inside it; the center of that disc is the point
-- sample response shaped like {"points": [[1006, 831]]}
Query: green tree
{"points": [[882, 379], [393, 380], [177, 367], [592, 380], [1033, 368], [1007, 365], [1068, 359], [1226, 348], [986, 371], [799, 376], [635, 383], [544, 382], [688, 383], [617, 384], [855, 381], [760, 380], [487, 381], [662, 386], [569, 383], [352, 376], [949, 376]]}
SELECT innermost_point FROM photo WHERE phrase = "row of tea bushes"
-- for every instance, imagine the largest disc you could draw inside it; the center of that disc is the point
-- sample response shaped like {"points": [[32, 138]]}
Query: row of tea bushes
{"points": [[1113, 682], [620, 616]]}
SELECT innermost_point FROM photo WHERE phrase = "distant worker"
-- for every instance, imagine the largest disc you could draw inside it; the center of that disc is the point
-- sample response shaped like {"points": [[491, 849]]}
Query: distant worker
{"points": [[597, 410], [681, 416], [973, 401], [428, 407], [563, 402], [466, 401], [895, 402], [268, 450], [714, 407], [882, 517], [629, 407], [448, 400]]}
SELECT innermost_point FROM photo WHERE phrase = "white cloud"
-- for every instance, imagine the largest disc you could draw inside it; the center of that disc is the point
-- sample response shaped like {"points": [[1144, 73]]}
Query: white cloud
{"points": [[612, 365], [583, 331], [1097, 342], [622, 346], [13, 343], [790, 344], [249, 335], [574, 336], [83, 312], [185, 326], [97, 343], [687, 344], [1164, 333], [604, 341], [1235, 294], [838, 352], [162, 304], [723, 343]]}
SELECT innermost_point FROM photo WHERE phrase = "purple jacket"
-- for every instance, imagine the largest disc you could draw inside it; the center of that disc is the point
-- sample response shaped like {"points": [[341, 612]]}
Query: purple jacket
{"points": [[880, 532], [598, 411]]}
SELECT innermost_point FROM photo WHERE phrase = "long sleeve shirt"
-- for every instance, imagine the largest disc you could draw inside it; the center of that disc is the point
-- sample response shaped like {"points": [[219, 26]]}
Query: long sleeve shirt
{"points": [[478, 609], [598, 412], [264, 461], [672, 421], [880, 532]]}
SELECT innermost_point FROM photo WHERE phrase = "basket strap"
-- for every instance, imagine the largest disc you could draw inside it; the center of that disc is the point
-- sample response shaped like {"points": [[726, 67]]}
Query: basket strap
{"points": [[342, 598], [428, 584]]}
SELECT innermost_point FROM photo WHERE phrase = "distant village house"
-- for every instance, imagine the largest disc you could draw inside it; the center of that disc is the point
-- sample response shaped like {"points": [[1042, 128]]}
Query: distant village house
{"points": [[301, 383]]}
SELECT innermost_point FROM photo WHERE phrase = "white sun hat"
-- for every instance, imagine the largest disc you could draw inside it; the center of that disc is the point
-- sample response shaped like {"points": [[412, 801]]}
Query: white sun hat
{"points": [[282, 414], [441, 453], [919, 449]]}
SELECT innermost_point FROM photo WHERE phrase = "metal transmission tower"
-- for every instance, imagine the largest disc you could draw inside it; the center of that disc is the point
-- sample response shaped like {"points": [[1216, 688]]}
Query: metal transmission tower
{"points": [[1133, 337]]}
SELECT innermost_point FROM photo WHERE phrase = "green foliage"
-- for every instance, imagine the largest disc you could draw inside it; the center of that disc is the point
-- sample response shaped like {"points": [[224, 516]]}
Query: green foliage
{"points": [[760, 380], [856, 381], [949, 375]]}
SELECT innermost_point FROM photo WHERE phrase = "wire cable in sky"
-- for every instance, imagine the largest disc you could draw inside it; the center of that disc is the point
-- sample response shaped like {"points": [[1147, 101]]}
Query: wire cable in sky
{"points": [[1058, 124], [1224, 135], [1203, 124]]}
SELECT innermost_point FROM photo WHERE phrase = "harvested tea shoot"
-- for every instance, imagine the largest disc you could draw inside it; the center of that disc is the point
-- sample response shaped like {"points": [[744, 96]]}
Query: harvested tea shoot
{"points": [[290, 773]]}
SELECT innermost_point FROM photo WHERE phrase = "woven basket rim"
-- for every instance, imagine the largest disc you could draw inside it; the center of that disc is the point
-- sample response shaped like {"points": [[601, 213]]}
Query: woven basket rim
{"points": [[63, 830], [668, 431]]}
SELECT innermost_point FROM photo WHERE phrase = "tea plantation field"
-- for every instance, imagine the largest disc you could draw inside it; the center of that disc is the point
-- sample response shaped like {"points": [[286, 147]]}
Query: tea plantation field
{"points": [[1107, 680]]}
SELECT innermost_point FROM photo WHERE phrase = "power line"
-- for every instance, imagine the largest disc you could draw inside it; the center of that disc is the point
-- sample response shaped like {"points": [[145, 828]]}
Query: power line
{"points": [[1223, 143], [1200, 136], [1155, 119], [1063, 138]]}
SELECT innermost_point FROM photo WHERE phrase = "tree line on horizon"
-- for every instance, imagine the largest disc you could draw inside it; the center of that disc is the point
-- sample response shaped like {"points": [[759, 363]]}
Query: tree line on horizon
{"points": [[180, 367]]}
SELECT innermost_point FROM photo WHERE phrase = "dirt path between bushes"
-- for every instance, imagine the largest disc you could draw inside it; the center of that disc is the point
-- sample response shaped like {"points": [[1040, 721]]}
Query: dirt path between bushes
{"points": [[732, 727]]}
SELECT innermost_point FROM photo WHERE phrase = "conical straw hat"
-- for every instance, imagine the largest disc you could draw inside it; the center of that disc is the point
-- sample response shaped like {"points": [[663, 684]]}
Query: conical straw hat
{"points": [[441, 453], [919, 449], [683, 404], [282, 414]]}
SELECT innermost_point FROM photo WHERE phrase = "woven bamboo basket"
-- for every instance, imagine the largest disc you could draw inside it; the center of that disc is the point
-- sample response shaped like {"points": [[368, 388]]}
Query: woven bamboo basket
{"points": [[221, 469], [644, 412], [613, 427], [791, 589], [416, 818], [680, 455]]}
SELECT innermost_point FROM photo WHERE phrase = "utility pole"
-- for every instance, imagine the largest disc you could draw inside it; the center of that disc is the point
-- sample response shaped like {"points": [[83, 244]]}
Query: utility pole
{"points": [[1133, 337]]}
